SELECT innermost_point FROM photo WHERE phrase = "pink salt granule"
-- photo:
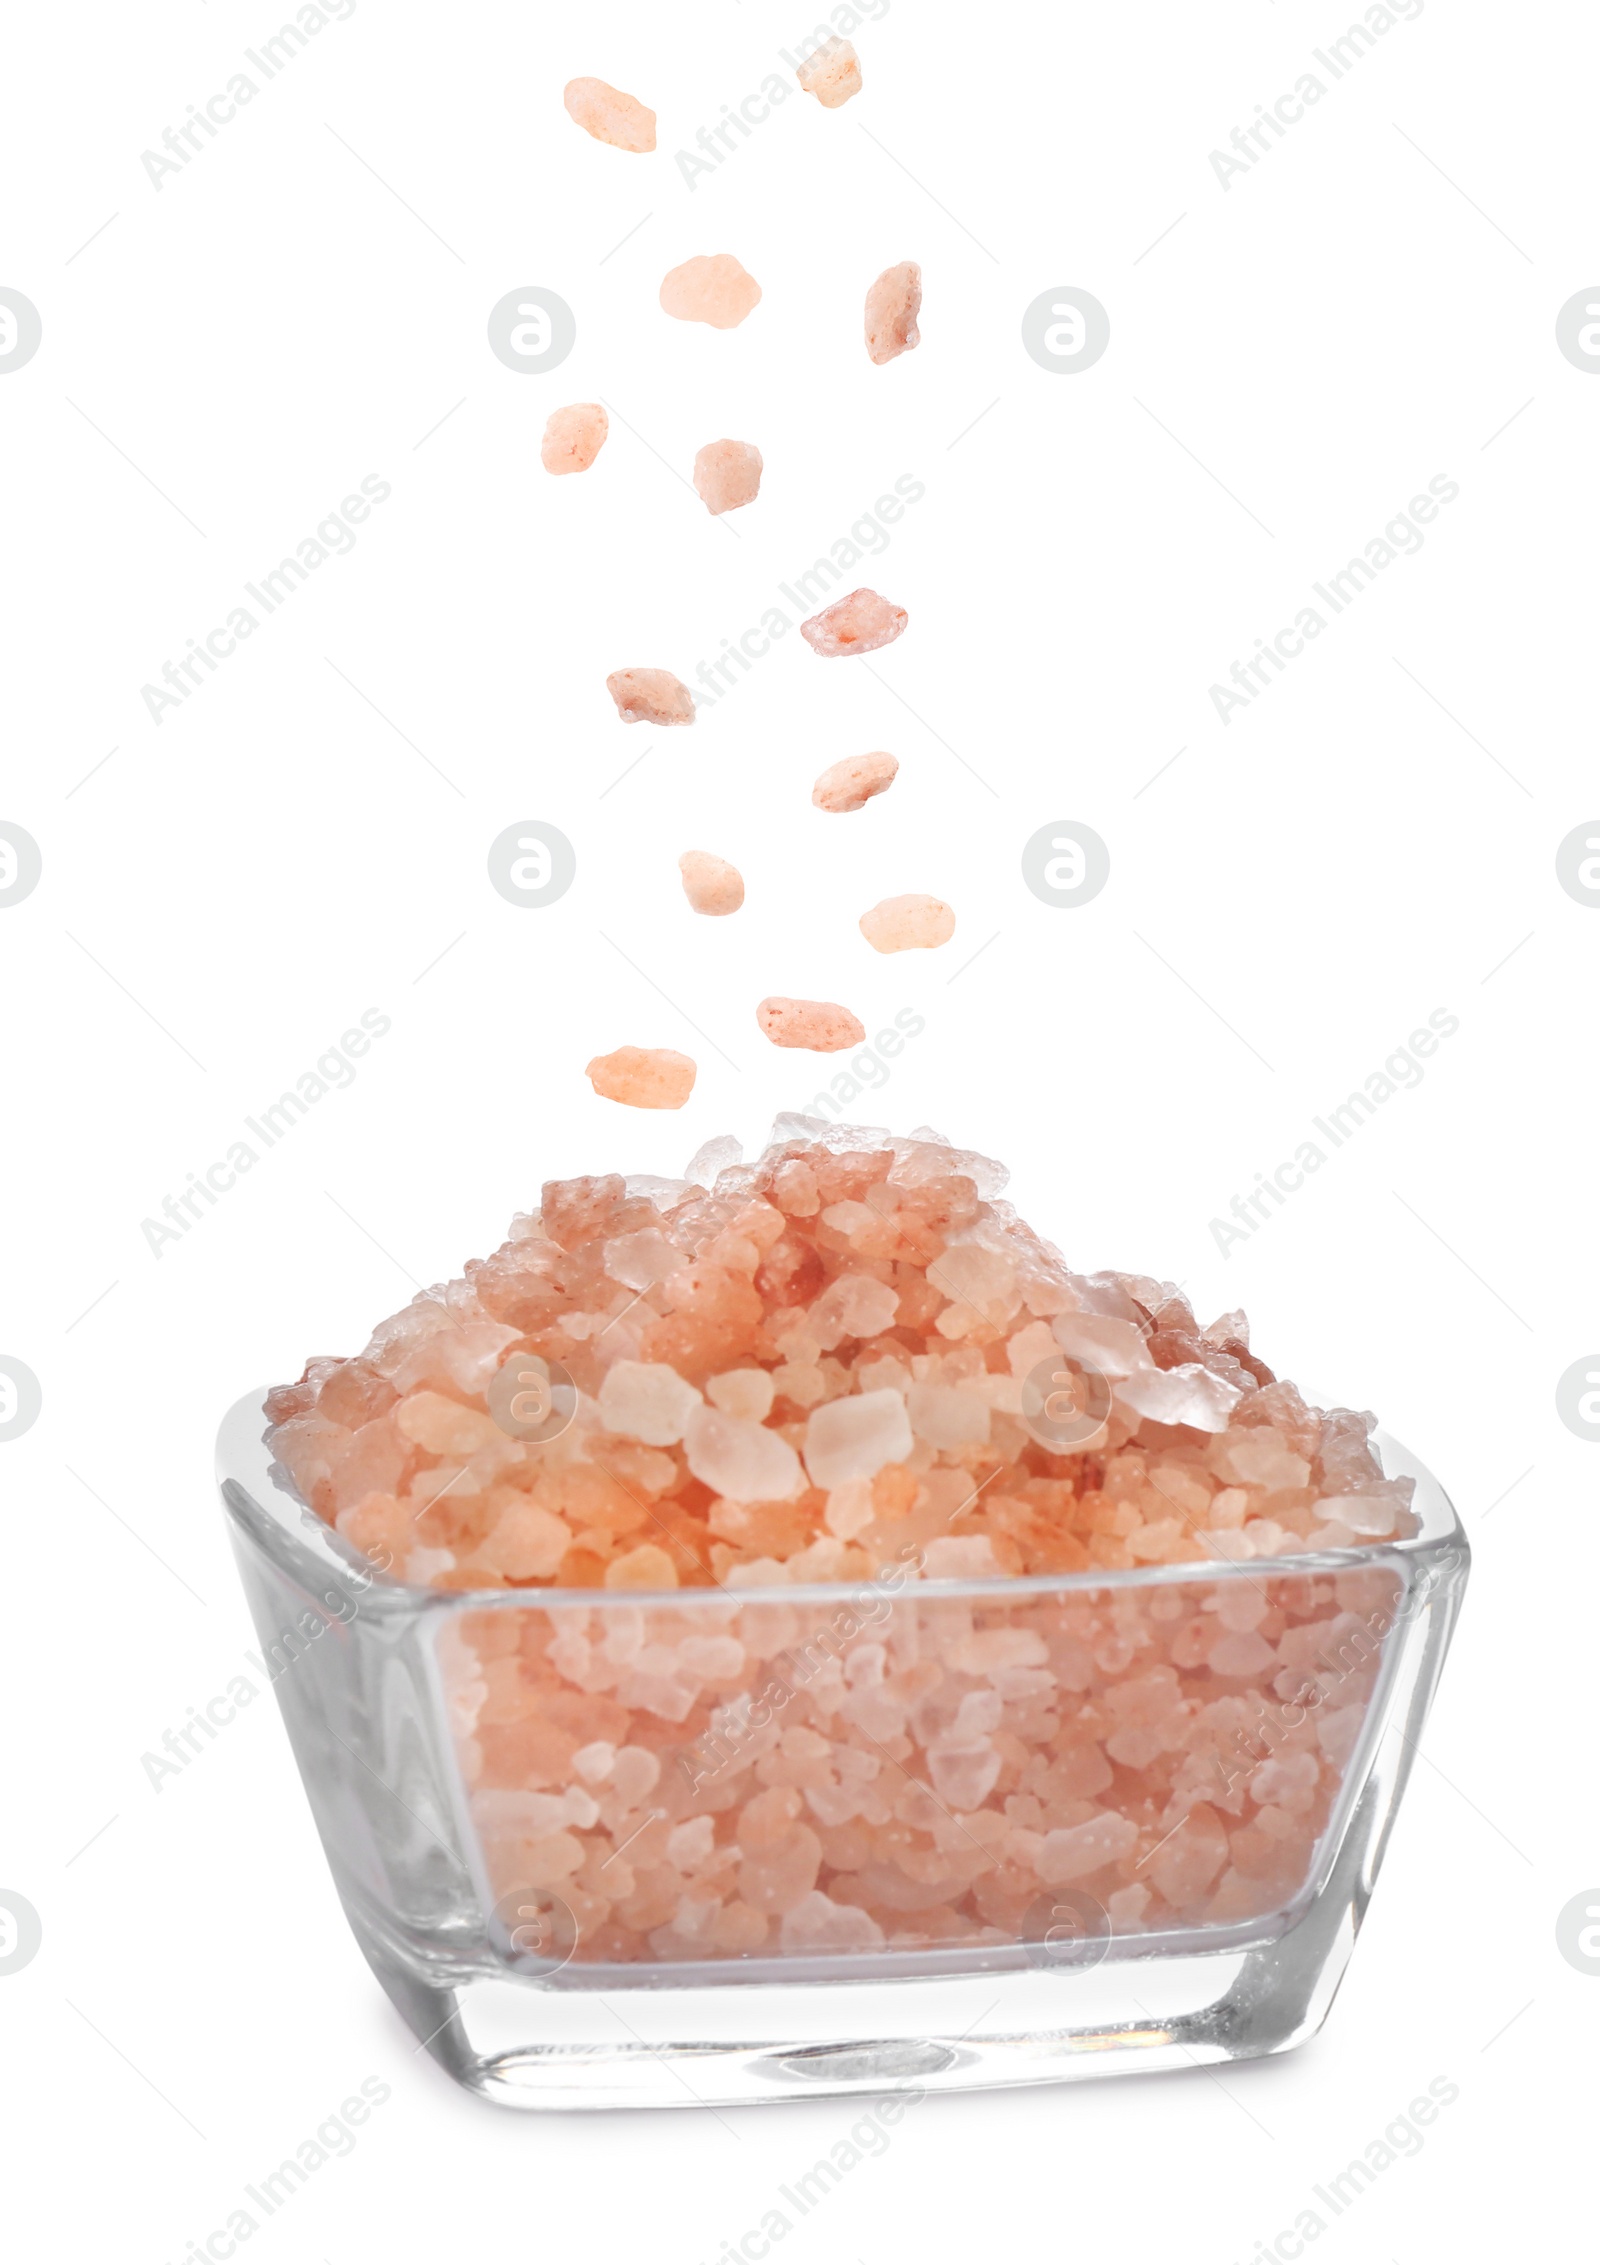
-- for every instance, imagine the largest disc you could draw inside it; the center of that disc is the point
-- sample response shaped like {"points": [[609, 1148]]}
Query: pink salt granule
{"points": [[852, 783], [816, 1024], [574, 437], [832, 72], [650, 696], [817, 1374], [908, 924], [893, 305], [860, 623], [727, 474], [710, 883], [713, 289], [645, 1077], [610, 115]]}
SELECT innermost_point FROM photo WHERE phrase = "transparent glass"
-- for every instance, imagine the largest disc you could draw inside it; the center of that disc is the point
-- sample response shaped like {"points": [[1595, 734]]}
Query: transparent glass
{"points": [[528, 1799]]}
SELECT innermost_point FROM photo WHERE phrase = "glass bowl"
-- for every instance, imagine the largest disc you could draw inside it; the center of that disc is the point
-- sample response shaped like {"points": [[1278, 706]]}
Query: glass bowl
{"points": [[528, 1799]]}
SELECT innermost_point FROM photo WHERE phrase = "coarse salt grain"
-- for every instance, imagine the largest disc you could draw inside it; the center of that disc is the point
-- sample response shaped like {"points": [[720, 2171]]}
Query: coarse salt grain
{"points": [[727, 474], [832, 72], [852, 783], [861, 623], [813, 1023], [650, 696], [893, 305], [645, 1077], [610, 115], [713, 288], [710, 883], [908, 924], [574, 437]]}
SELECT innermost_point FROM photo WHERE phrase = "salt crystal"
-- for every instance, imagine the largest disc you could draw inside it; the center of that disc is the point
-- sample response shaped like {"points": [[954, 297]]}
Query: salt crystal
{"points": [[1372, 1516], [1077, 1851], [727, 475], [1186, 1395], [908, 924], [861, 623], [443, 1426], [1245, 1654], [853, 1305], [644, 1077], [641, 1260], [1260, 1457], [635, 1773], [710, 883], [526, 1543], [964, 1776], [851, 1509], [647, 1567], [817, 1924], [651, 696], [856, 1437], [574, 437], [745, 1392], [609, 115], [690, 1844], [740, 1459], [1109, 1347], [832, 72], [851, 783], [946, 1417], [893, 305], [647, 1400], [712, 1157], [713, 288], [815, 1024]]}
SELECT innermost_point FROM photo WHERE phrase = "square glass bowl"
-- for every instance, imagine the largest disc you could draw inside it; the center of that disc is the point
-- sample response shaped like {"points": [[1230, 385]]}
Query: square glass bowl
{"points": [[528, 1799]]}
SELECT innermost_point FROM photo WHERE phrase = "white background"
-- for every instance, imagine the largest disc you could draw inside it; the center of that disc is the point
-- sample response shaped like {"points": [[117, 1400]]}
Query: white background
{"points": [[1371, 305]]}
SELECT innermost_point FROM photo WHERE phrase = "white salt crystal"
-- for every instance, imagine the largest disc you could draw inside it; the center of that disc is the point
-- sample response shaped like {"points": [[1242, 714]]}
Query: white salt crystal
{"points": [[855, 1438], [647, 1400], [946, 1416], [740, 1459]]}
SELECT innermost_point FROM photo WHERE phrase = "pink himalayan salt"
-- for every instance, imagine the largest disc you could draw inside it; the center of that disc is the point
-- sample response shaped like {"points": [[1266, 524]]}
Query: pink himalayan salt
{"points": [[856, 1437], [574, 437], [746, 1392], [860, 623], [1120, 1742], [713, 289], [647, 1400], [710, 883], [832, 72], [727, 474], [741, 1459], [645, 1077], [893, 305], [908, 924], [815, 1265], [609, 115], [647, 1567], [651, 696], [812, 1023], [852, 783]]}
